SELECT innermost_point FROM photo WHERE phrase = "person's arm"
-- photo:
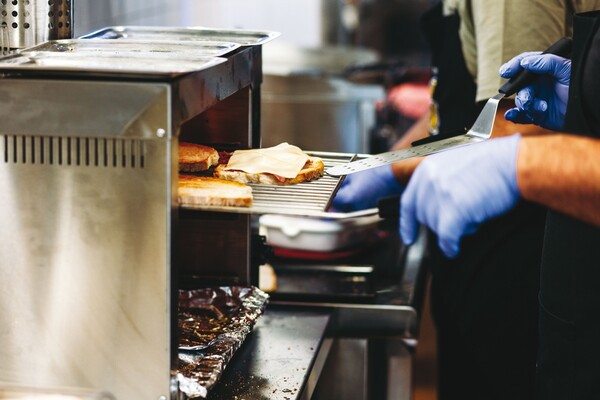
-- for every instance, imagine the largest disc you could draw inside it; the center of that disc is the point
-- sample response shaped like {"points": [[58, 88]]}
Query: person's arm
{"points": [[363, 189], [403, 170], [502, 127], [562, 172], [418, 130]]}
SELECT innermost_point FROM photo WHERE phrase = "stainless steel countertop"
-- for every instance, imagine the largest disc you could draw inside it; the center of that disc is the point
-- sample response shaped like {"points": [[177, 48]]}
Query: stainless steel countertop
{"points": [[280, 359], [284, 356]]}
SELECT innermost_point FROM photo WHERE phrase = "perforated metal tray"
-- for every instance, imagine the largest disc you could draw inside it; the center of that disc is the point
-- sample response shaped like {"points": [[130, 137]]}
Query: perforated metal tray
{"points": [[311, 199], [152, 33]]}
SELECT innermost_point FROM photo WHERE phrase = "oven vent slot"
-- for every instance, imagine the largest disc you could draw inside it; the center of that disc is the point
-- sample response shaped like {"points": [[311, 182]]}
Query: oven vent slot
{"points": [[72, 151]]}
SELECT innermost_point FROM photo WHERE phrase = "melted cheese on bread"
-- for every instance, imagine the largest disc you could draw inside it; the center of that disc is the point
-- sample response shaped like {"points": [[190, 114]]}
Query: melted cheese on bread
{"points": [[282, 160]]}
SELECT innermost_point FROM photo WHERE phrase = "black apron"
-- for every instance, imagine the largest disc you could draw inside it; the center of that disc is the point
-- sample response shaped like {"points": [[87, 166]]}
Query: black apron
{"points": [[569, 353], [484, 303]]}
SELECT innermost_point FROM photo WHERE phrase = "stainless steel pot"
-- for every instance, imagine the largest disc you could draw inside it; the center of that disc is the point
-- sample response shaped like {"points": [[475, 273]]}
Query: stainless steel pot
{"points": [[26, 23], [307, 102]]}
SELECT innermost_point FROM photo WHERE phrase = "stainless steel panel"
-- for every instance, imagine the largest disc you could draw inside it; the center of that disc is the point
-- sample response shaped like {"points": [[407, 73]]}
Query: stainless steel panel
{"points": [[281, 359], [366, 369], [70, 108], [88, 179], [244, 37], [319, 112], [135, 47], [142, 65], [20, 393], [86, 240]]}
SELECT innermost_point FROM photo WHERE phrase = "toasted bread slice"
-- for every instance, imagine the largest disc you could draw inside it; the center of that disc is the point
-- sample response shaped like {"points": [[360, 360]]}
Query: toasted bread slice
{"points": [[209, 191], [313, 169], [196, 157]]}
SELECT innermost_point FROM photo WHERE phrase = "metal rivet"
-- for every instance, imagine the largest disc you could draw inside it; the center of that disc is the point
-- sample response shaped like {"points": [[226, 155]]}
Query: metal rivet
{"points": [[160, 132]]}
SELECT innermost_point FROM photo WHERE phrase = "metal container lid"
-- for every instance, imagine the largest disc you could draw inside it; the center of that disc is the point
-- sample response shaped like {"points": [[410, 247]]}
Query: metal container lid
{"points": [[99, 47], [288, 60], [79, 57], [244, 37]]}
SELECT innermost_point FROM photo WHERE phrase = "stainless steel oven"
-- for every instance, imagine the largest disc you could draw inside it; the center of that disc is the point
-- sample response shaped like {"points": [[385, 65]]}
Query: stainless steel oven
{"points": [[95, 246]]}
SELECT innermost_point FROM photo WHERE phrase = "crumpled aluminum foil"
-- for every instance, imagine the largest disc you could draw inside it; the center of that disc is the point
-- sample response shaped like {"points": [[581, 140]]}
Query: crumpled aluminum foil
{"points": [[213, 324]]}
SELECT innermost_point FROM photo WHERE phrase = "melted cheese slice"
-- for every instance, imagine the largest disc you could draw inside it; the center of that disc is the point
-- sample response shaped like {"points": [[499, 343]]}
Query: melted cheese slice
{"points": [[284, 160]]}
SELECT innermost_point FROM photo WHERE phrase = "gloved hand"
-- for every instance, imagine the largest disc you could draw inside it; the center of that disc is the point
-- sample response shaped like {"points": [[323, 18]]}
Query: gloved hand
{"points": [[544, 102], [454, 191], [361, 190]]}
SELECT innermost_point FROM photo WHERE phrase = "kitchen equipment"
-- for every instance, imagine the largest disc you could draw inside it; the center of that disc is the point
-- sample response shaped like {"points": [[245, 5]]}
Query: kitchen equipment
{"points": [[308, 102], [214, 323], [137, 65], [28, 393], [29, 22], [311, 199], [322, 235], [137, 59], [325, 282], [244, 37], [4, 41], [94, 244], [159, 48], [95, 247], [100, 57], [481, 130]]}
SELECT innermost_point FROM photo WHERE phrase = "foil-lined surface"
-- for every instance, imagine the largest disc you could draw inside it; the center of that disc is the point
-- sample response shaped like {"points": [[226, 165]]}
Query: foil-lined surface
{"points": [[213, 324]]}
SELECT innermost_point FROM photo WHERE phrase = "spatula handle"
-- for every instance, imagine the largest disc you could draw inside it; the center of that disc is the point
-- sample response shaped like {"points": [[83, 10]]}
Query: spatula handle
{"points": [[389, 207], [561, 48]]}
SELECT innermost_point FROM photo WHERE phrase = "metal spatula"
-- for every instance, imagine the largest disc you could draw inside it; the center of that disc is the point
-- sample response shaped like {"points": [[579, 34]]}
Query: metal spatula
{"points": [[481, 130]]}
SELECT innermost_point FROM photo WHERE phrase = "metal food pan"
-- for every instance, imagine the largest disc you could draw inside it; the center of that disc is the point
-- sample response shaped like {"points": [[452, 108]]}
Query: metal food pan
{"points": [[131, 47], [75, 64], [243, 37]]}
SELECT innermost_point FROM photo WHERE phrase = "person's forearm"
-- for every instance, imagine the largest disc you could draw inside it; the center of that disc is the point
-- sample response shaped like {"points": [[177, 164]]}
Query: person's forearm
{"points": [[561, 172], [419, 130], [403, 170], [502, 127]]}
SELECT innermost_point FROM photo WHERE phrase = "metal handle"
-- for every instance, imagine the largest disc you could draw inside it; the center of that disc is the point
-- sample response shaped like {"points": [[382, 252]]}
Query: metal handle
{"points": [[561, 48], [4, 40]]}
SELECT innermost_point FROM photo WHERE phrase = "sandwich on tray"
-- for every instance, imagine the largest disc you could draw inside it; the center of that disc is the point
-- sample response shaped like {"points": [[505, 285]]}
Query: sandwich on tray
{"points": [[197, 190], [196, 157], [283, 164], [208, 191]]}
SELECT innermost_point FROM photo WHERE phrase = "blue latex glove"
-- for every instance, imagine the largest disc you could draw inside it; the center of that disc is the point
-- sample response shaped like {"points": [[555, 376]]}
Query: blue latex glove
{"points": [[454, 191], [544, 102], [362, 190]]}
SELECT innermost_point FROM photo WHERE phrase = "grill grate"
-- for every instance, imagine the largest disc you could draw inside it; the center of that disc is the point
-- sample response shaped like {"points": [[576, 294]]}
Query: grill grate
{"points": [[304, 199]]}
